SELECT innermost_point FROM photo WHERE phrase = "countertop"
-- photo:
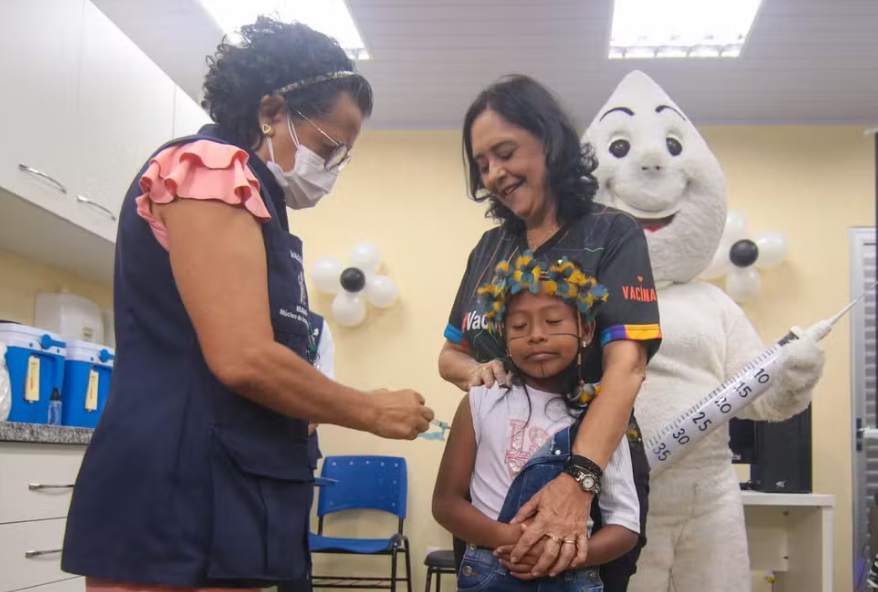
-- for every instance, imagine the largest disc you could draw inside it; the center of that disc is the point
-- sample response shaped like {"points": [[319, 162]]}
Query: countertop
{"points": [[818, 500], [43, 434]]}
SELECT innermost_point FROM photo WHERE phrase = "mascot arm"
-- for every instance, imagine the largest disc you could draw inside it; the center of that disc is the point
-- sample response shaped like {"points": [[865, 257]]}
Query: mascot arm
{"points": [[798, 373]]}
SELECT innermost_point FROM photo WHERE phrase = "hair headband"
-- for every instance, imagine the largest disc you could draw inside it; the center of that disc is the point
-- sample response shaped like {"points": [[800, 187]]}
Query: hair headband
{"points": [[315, 80]]}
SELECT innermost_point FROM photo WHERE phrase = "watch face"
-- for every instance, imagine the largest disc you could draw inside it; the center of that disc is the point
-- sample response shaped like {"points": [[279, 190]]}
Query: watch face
{"points": [[588, 482]]}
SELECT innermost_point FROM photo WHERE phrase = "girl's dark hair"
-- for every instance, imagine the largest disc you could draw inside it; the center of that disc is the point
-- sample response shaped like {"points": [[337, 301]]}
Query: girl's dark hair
{"points": [[271, 55], [524, 102]]}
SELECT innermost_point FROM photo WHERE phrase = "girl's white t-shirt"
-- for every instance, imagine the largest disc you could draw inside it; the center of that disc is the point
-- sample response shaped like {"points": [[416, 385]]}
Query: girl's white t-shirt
{"points": [[508, 433]]}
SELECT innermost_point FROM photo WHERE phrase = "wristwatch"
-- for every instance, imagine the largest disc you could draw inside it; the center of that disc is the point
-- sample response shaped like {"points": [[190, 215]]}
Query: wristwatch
{"points": [[586, 473], [588, 482]]}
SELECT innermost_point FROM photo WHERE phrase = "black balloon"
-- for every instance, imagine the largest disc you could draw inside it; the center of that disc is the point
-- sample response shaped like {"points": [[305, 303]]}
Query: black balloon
{"points": [[353, 279], [744, 253]]}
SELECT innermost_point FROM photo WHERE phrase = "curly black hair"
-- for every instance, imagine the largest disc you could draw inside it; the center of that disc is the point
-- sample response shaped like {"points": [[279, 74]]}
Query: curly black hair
{"points": [[271, 55], [525, 103]]}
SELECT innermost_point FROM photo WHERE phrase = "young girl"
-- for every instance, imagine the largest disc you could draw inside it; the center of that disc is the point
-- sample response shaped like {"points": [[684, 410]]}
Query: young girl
{"points": [[506, 444]]}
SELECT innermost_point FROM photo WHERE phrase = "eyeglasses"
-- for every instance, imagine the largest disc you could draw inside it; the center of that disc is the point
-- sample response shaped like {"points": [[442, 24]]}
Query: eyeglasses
{"points": [[340, 155]]}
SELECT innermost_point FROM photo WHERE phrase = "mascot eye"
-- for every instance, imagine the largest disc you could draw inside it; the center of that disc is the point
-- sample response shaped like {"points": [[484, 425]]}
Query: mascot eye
{"points": [[674, 146], [620, 148]]}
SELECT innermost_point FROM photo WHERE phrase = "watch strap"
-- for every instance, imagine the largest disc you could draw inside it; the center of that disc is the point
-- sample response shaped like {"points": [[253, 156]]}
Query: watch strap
{"points": [[585, 464]]}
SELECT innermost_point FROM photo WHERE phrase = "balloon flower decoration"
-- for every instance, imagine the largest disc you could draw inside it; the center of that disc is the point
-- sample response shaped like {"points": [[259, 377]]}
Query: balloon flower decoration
{"points": [[355, 284], [739, 257]]}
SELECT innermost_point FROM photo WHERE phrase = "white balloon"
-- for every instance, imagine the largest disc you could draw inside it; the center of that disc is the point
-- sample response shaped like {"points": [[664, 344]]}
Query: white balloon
{"points": [[719, 265], [381, 291], [743, 283], [736, 228], [773, 249], [349, 309], [367, 257], [326, 274]]}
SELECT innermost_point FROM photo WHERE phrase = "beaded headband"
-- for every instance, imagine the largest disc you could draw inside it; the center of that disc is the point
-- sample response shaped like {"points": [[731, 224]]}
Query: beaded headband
{"points": [[315, 80], [563, 279]]}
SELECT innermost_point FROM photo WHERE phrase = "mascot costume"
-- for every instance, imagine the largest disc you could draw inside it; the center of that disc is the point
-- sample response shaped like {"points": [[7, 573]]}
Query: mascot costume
{"points": [[655, 166]]}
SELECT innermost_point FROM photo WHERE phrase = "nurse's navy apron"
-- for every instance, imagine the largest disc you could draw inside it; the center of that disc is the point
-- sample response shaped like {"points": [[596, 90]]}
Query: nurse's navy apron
{"points": [[186, 483], [314, 454]]}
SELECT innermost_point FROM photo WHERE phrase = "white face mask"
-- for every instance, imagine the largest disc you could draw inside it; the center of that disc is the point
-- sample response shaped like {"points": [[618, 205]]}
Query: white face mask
{"points": [[309, 180]]}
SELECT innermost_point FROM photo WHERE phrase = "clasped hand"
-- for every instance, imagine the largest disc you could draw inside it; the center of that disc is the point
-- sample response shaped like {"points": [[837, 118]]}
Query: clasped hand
{"points": [[553, 535]]}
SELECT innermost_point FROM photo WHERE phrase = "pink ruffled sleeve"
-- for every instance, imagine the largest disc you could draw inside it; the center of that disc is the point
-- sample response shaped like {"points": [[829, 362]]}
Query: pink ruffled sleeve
{"points": [[199, 170]]}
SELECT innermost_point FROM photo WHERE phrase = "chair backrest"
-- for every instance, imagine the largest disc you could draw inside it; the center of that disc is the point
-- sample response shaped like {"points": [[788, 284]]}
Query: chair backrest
{"points": [[364, 483]]}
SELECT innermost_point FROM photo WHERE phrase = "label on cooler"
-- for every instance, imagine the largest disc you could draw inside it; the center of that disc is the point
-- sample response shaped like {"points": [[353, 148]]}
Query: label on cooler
{"points": [[91, 395], [32, 382]]}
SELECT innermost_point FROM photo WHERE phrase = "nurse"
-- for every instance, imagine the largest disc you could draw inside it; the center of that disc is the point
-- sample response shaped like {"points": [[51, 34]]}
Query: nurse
{"points": [[198, 474]]}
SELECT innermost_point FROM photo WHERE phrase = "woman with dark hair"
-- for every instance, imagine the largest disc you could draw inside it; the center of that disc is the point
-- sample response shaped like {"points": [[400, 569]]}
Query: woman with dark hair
{"points": [[198, 474], [524, 157]]}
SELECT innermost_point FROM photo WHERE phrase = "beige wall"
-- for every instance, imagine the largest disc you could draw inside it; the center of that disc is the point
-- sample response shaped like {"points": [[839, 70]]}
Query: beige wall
{"points": [[21, 279], [404, 191]]}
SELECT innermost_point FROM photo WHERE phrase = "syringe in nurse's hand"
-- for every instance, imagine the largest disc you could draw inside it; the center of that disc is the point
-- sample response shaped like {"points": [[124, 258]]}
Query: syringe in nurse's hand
{"points": [[727, 400], [443, 425]]}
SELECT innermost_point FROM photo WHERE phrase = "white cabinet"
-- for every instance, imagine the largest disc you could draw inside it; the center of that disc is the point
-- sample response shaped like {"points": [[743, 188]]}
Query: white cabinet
{"points": [[188, 115], [30, 553], [70, 584], [125, 111], [37, 481], [39, 71], [35, 490], [81, 109]]}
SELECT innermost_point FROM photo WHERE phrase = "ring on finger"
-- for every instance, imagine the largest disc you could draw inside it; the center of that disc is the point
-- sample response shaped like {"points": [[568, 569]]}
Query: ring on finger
{"points": [[554, 538], [570, 542]]}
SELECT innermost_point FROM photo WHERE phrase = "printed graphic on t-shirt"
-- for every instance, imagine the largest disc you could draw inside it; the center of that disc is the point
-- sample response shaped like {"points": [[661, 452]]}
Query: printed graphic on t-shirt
{"points": [[638, 292], [524, 441]]}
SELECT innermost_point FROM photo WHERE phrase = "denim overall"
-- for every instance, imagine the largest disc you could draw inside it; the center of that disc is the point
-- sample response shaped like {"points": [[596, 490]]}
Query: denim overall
{"points": [[481, 571], [186, 483], [485, 573]]}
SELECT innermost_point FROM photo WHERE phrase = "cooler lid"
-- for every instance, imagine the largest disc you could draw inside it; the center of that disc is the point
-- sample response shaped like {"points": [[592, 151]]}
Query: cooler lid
{"points": [[94, 353], [34, 338]]}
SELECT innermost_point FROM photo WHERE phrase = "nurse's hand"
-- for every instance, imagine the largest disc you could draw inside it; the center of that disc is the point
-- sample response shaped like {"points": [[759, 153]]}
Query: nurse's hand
{"points": [[400, 415]]}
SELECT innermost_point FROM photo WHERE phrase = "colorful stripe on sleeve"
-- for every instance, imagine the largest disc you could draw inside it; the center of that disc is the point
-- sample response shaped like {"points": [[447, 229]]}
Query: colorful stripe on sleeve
{"points": [[630, 333], [453, 334]]}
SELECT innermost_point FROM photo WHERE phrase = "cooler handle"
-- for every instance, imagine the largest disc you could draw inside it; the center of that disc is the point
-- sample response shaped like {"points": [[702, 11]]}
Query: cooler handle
{"points": [[47, 342], [106, 356]]}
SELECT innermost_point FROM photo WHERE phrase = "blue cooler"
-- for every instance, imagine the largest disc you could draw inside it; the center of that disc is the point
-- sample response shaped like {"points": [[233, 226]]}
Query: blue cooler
{"points": [[87, 374], [35, 361]]}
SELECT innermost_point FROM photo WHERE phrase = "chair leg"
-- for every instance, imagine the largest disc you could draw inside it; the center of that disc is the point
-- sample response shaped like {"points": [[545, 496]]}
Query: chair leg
{"points": [[439, 582], [408, 567], [429, 579], [393, 570]]}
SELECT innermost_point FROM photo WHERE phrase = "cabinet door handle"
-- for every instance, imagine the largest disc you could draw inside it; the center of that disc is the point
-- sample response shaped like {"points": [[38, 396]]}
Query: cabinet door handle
{"points": [[84, 200], [34, 554], [43, 486], [42, 175]]}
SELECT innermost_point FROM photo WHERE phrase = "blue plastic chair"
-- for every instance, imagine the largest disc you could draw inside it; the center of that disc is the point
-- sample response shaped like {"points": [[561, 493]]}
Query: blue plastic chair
{"points": [[363, 483]]}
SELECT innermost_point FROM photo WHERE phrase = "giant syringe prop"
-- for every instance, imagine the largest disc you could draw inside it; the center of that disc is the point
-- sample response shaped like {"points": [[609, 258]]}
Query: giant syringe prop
{"points": [[726, 401]]}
